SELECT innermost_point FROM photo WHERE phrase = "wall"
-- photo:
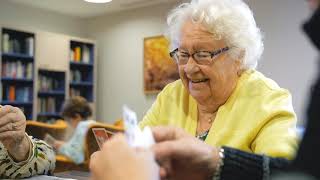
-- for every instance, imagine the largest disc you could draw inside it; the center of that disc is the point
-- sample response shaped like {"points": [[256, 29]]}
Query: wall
{"points": [[22, 17], [288, 57], [120, 50]]}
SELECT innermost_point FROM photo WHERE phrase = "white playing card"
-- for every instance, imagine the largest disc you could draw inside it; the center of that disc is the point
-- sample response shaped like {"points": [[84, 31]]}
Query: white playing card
{"points": [[131, 124], [136, 137]]}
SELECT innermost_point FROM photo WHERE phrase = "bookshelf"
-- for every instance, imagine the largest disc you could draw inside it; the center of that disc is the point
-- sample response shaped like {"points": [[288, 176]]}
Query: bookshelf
{"points": [[65, 64], [17, 69], [81, 81], [50, 94]]}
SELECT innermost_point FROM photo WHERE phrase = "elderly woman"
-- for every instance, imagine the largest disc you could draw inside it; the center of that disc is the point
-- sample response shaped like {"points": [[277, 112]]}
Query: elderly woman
{"points": [[21, 156], [220, 97]]}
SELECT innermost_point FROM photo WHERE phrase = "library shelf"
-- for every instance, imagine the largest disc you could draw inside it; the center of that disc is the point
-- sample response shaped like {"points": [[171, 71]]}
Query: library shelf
{"points": [[17, 103]]}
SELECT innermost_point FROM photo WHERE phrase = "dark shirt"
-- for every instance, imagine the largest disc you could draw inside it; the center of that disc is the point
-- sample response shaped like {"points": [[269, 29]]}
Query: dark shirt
{"points": [[308, 156]]}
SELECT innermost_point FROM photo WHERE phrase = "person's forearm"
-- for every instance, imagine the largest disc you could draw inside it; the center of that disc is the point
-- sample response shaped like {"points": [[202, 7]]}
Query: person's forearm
{"points": [[41, 161], [19, 151], [238, 164]]}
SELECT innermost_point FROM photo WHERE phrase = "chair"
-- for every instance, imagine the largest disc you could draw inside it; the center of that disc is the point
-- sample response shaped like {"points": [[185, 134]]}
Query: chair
{"points": [[119, 123], [63, 163], [90, 141], [56, 130], [39, 129]]}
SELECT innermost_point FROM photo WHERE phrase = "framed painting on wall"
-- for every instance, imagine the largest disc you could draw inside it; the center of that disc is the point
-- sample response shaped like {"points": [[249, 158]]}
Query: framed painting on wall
{"points": [[159, 68]]}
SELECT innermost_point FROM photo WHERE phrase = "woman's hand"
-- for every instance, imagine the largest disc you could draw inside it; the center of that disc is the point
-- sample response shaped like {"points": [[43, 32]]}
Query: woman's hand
{"points": [[57, 144], [117, 160], [182, 156], [12, 132]]}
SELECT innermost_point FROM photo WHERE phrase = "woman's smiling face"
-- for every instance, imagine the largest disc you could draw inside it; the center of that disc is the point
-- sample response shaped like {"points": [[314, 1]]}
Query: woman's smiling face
{"points": [[207, 83]]}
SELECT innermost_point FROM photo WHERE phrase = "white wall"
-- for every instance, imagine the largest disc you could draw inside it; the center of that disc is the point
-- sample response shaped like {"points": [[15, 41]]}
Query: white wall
{"points": [[120, 50], [288, 57], [28, 18]]}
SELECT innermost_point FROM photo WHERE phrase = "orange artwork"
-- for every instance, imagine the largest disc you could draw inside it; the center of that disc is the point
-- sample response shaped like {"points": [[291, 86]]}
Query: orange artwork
{"points": [[159, 68]]}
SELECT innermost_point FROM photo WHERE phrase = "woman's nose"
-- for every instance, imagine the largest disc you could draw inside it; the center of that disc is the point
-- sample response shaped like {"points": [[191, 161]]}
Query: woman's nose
{"points": [[191, 66]]}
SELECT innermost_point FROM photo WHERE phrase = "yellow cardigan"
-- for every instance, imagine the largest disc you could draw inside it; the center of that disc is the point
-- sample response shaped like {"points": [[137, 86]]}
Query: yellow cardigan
{"points": [[258, 117]]}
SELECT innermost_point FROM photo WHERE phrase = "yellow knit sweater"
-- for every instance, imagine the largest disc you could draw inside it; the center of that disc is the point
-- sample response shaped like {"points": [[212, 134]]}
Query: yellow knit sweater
{"points": [[258, 117]]}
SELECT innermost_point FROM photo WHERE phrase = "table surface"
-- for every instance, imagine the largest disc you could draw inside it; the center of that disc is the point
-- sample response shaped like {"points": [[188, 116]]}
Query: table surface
{"points": [[67, 175], [81, 175]]}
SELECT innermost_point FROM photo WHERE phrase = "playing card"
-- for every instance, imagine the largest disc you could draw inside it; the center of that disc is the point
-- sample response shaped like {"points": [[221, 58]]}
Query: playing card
{"points": [[131, 124], [136, 137], [101, 135]]}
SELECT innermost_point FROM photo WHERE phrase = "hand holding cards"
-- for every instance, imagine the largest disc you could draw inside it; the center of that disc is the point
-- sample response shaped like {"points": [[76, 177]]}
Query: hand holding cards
{"points": [[136, 137]]}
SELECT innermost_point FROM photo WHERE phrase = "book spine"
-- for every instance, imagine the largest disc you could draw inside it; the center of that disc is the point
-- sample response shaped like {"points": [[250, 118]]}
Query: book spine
{"points": [[5, 43], [77, 54], [29, 70], [12, 93], [30, 46], [72, 55]]}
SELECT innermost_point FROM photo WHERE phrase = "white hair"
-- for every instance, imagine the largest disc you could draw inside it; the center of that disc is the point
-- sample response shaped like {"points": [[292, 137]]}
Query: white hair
{"points": [[230, 20]]}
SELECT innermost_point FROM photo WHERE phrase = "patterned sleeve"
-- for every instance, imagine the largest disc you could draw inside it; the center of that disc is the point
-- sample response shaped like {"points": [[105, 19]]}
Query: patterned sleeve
{"points": [[41, 161]]}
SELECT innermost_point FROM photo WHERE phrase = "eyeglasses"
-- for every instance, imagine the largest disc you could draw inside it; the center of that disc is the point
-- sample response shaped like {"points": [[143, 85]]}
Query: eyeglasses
{"points": [[201, 57]]}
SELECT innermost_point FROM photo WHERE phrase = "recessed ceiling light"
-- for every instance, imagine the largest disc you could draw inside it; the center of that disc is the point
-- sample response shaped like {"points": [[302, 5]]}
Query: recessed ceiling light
{"points": [[98, 1]]}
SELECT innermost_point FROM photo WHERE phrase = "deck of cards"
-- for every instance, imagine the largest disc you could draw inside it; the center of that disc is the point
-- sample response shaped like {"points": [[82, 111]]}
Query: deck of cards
{"points": [[136, 137]]}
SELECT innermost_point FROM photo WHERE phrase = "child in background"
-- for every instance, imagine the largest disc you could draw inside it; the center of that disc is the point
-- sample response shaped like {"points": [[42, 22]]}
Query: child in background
{"points": [[76, 111]]}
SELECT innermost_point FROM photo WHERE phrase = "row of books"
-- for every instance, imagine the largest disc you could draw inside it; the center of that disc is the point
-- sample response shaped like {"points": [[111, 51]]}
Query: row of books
{"points": [[80, 54], [46, 83], [75, 76], [74, 92], [47, 105], [13, 93], [12, 45], [17, 69]]}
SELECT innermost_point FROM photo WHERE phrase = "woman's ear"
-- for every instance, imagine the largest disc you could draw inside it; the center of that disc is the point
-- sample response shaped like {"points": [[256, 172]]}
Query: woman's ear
{"points": [[242, 54], [240, 62]]}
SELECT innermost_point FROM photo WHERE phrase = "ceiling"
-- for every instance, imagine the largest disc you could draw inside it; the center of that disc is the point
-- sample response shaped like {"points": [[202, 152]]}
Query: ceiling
{"points": [[82, 9]]}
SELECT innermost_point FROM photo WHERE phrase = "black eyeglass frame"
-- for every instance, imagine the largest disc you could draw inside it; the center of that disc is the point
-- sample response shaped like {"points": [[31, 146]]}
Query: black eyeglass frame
{"points": [[212, 53]]}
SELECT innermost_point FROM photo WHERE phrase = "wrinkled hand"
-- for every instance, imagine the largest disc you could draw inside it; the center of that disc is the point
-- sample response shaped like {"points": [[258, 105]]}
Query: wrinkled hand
{"points": [[117, 160], [12, 132], [182, 156], [58, 144]]}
